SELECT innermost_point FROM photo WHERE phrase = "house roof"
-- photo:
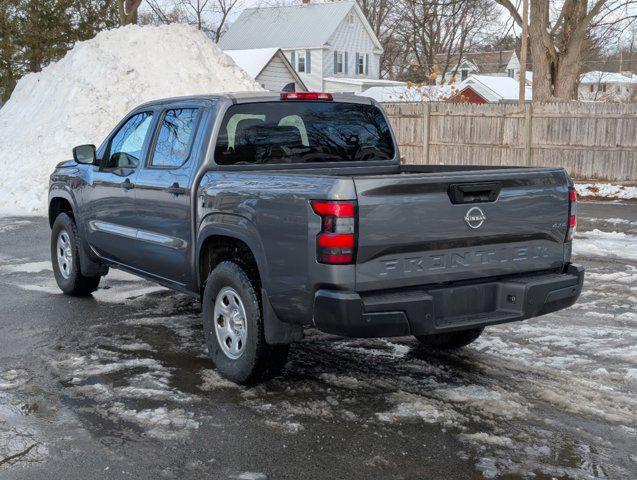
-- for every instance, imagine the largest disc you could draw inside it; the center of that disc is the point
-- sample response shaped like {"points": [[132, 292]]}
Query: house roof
{"points": [[404, 93], [254, 60], [297, 26], [496, 89], [363, 81], [486, 62], [606, 77]]}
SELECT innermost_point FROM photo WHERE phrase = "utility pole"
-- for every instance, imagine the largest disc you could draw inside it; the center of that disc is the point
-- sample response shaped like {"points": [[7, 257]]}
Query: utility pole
{"points": [[523, 53]]}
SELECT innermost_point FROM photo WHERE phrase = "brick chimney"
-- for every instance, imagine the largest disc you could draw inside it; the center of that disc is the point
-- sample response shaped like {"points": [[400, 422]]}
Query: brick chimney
{"points": [[305, 2]]}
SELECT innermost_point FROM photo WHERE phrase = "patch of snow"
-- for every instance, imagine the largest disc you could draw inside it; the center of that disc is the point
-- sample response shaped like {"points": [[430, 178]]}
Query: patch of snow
{"points": [[162, 422], [9, 226], [213, 381], [287, 426], [80, 98], [11, 379], [409, 406], [30, 267], [597, 243], [606, 190], [340, 380], [482, 438]]}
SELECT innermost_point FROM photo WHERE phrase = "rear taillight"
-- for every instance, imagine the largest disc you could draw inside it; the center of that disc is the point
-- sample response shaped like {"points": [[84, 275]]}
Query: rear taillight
{"points": [[336, 244], [327, 97], [572, 214]]}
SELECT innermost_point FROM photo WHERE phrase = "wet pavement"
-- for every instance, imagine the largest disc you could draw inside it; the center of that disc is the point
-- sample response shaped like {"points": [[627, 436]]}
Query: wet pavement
{"points": [[119, 385]]}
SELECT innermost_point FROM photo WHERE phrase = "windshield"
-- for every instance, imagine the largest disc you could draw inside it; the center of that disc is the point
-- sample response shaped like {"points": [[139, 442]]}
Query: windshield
{"points": [[303, 132]]}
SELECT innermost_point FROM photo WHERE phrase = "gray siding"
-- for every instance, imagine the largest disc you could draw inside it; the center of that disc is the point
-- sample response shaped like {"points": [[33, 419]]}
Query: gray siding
{"points": [[275, 75], [351, 38], [314, 80]]}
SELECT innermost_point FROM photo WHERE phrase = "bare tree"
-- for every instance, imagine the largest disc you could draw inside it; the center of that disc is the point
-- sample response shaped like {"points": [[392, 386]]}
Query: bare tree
{"points": [[449, 27], [210, 16], [557, 38], [222, 9]]}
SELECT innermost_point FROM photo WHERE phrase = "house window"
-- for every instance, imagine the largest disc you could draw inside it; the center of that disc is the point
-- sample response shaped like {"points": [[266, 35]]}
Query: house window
{"points": [[464, 73], [339, 62], [350, 19], [360, 64], [510, 72], [592, 88], [301, 65]]}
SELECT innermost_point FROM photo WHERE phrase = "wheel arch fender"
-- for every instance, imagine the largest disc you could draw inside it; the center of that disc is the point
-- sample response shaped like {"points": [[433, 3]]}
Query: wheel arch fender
{"points": [[57, 193], [236, 227], [241, 228]]}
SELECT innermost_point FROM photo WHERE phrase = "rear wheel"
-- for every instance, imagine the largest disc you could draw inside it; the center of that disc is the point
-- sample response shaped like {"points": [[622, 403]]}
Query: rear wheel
{"points": [[233, 327], [65, 258], [450, 340]]}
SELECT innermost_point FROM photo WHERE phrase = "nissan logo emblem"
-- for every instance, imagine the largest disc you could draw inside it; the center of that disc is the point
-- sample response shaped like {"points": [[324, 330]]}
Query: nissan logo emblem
{"points": [[475, 217]]}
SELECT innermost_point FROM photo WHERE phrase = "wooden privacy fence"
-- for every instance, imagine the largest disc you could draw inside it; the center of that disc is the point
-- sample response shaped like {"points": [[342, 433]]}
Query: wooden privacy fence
{"points": [[590, 140]]}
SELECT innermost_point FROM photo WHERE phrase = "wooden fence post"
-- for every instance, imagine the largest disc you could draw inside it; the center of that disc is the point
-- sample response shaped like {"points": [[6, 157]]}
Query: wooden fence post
{"points": [[528, 126], [425, 133]]}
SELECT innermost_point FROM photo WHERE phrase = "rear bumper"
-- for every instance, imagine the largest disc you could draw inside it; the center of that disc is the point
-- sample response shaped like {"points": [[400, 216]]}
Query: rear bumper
{"points": [[443, 309]]}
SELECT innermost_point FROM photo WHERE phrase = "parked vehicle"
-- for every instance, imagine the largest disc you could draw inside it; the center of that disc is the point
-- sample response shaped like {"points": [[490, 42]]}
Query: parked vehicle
{"points": [[293, 210]]}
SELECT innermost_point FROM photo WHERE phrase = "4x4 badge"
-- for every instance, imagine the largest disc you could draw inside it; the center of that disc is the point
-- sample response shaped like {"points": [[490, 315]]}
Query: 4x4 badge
{"points": [[475, 217]]}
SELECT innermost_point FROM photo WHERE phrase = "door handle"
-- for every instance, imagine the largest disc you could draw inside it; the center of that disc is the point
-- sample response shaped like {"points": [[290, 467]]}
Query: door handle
{"points": [[127, 184], [175, 189]]}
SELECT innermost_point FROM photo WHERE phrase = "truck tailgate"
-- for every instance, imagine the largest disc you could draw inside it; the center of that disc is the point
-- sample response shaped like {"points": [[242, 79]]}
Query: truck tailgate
{"points": [[410, 231]]}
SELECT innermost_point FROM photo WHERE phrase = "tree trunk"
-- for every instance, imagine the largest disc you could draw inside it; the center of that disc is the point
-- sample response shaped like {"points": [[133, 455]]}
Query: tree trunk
{"points": [[127, 10], [542, 51]]}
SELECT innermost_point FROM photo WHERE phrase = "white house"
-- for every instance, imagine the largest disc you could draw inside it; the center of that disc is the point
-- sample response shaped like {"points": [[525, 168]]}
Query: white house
{"points": [[607, 86], [321, 41], [269, 67]]}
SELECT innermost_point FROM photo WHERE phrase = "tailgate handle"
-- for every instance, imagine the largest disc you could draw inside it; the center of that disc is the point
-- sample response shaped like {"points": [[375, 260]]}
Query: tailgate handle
{"points": [[474, 192]]}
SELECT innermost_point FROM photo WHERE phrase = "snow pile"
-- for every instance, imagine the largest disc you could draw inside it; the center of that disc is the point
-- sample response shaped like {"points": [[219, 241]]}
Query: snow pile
{"points": [[606, 190], [80, 98]]}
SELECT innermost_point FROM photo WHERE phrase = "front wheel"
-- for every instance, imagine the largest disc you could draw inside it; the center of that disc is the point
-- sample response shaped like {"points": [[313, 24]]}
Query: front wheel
{"points": [[450, 340], [233, 328], [65, 257]]}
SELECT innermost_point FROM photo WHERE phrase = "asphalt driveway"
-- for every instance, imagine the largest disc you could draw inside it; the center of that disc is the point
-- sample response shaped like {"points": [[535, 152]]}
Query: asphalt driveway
{"points": [[119, 385]]}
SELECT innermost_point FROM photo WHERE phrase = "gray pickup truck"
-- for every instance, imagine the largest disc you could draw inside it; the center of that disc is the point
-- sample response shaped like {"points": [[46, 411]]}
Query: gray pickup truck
{"points": [[293, 210]]}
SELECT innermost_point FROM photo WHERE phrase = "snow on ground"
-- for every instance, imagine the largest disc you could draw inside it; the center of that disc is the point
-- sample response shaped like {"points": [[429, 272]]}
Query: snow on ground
{"points": [[606, 190], [80, 98], [597, 243], [551, 397]]}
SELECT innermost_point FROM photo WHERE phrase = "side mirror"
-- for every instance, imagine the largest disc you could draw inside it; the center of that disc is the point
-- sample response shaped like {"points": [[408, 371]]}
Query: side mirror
{"points": [[84, 154]]}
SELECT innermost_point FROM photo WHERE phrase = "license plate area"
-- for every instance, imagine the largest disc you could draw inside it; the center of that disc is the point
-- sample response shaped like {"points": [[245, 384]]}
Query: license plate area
{"points": [[460, 304]]}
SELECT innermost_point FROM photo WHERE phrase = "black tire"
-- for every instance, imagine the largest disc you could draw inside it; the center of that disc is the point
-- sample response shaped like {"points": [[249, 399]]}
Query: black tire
{"points": [[71, 282], [451, 340], [258, 361]]}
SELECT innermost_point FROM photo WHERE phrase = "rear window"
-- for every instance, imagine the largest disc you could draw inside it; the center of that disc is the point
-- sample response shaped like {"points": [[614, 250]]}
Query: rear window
{"points": [[303, 132]]}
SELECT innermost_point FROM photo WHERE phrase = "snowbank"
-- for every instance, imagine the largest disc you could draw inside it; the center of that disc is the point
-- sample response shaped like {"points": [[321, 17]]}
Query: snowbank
{"points": [[80, 98], [606, 191]]}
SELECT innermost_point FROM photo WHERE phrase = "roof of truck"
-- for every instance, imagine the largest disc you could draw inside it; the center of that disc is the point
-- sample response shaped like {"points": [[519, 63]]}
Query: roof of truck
{"points": [[244, 97]]}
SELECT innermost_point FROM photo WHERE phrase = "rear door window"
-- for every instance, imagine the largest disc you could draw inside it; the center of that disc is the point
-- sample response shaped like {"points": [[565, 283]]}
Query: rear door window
{"points": [[303, 132], [174, 139]]}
